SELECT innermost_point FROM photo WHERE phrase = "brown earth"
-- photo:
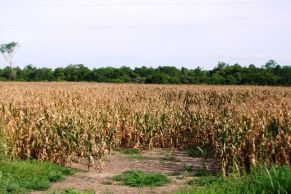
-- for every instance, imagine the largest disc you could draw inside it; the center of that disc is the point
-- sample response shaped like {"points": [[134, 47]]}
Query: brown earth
{"points": [[173, 163]]}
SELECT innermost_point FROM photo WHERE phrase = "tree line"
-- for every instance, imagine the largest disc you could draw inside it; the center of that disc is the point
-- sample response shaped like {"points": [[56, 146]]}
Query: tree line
{"points": [[269, 74]]}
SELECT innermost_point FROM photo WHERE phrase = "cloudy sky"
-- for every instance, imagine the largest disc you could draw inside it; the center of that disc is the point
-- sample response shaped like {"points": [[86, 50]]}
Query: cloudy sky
{"points": [[188, 33]]}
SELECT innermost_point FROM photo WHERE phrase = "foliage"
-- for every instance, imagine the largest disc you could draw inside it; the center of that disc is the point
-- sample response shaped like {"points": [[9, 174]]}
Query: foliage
{"points": [[200, 152], [264, 179], [130, 150], [21, 176], [7, 51], [170, 157], [133, 154], [73, 191], [187, 167], [137, 178], [270, 74]]}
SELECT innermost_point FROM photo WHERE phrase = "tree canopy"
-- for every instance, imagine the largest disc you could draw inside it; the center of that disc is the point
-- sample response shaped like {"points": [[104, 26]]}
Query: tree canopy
{"points": [[7, 51], [269, 74]]}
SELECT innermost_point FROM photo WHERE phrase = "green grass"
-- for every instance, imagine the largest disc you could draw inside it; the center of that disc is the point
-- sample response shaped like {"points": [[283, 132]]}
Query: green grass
{"points": [[194, 152], [23, 176], [107, 182], [263, 180], [199, 152], [176, 173], [130, 150], [170, 157], [138, 178], [188, 167], [73, 191], [134, 154], [107, 192]]}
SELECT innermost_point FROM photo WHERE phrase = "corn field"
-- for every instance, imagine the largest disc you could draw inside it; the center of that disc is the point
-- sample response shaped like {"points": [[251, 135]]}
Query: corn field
{"points": [[240, 126]]}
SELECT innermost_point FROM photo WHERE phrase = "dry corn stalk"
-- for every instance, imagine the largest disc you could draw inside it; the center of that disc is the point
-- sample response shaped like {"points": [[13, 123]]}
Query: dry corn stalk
{"points": [[61, 122]]}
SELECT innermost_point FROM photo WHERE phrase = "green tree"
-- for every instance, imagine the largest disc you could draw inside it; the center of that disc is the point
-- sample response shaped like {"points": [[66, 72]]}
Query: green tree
{"points": [[269, 74], [29, 73], [158, 78], [7, 51], [77, 73], [59, 74], [271, 64]]}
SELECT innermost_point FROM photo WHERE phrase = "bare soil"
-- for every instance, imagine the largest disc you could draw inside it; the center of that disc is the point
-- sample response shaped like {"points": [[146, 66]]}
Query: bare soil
{"points": [[172, 163]]}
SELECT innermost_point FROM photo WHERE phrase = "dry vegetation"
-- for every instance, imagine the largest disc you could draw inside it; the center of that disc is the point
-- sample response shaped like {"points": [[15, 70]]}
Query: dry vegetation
{"points": [[61, 122]]}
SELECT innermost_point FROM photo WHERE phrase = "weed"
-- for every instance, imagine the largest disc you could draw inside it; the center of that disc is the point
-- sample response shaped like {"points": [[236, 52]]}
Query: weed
{"points": [[74, 191], [107, 182], [130, 150], [107, 192], [264, 179], [174, 173], [188, 167], [18, 176], [170, 157], [138, 178]]}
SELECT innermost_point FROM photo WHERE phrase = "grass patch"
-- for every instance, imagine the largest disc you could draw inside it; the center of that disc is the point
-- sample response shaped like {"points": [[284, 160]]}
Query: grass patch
{"points": [[138, 157], [130, 150], [198, 152], [107, 192], [74, 191], [194, 152], [138, 178], [176, 173], [188, 167], [170, 157], [205, 173], [22, 176], [107, 182], [265, 179]]}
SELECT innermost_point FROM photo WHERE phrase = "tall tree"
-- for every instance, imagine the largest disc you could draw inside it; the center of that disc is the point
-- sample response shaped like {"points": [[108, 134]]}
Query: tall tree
{"points": [[7, 51]]}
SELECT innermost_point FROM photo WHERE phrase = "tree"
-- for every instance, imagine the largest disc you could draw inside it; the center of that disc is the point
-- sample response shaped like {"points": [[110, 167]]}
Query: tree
{"points": [[7, 51], [271, 64], [77, 73], [158, 78], [269, 74]]}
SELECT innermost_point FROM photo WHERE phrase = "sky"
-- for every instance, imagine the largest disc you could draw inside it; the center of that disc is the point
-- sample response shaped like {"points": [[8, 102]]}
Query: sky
{"points": [[134, 33]]}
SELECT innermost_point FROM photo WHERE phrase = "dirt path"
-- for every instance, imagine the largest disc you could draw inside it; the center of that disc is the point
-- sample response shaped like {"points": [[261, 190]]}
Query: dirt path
{"points": [[159, 160]]}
